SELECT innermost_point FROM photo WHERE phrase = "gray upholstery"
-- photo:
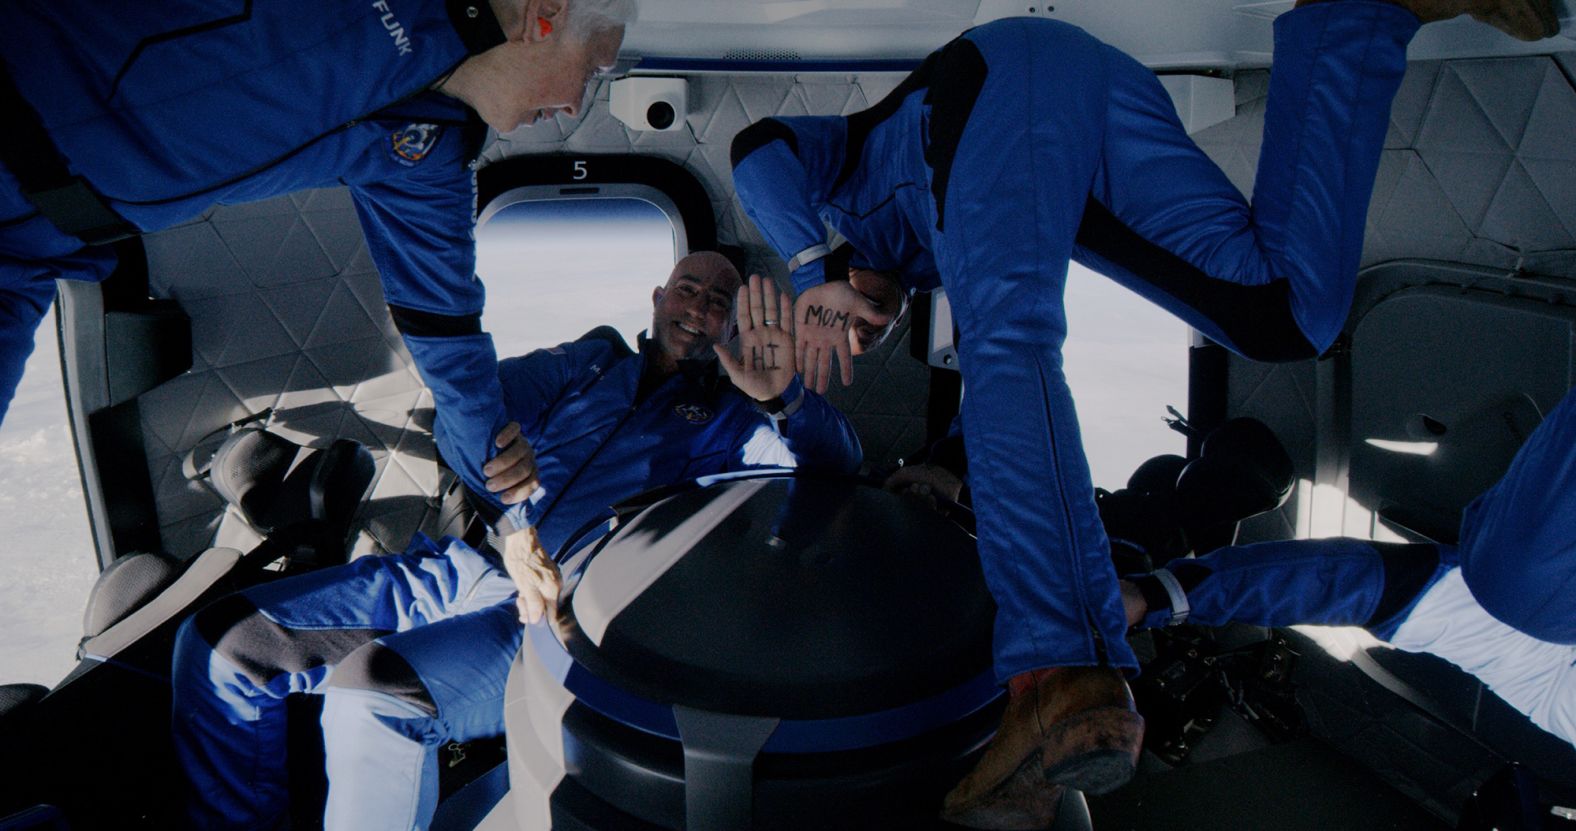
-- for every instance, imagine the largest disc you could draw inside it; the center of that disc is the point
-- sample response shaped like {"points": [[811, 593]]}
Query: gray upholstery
{"points": [[127, 584], [249, 470], [16, 696], [203, 572]]}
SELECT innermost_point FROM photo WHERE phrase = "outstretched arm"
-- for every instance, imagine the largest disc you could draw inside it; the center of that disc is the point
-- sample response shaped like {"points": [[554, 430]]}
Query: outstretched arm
{"points": [[418, 229], [783, 169], [27, 287]]}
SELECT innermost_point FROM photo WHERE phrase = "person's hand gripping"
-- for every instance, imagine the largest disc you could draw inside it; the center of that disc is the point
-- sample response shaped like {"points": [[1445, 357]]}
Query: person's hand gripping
{"points": [[534, 574], [512, 475]]}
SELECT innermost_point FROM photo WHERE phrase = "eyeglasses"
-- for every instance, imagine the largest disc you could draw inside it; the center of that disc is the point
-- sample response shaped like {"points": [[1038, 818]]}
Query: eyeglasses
{"points": [[621, 67]]}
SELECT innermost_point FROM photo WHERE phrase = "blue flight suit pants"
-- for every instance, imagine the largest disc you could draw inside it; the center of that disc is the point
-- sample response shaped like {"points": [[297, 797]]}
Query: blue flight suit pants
{"points": [[1067, 131], [410, 651]]}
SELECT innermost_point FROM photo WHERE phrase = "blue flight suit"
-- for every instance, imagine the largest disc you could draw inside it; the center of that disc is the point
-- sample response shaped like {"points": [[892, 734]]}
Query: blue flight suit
{"points": [[1516, 555], [167, 109], [1027, 143], [412, 651]]}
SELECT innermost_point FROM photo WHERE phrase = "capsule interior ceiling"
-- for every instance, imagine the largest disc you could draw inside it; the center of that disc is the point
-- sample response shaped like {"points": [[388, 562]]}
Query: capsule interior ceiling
{"points": [[1468, 298]]}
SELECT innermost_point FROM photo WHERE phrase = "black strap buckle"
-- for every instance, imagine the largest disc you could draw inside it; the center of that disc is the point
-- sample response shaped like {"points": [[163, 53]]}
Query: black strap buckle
{"points": [[64, 199], [77, 210]]}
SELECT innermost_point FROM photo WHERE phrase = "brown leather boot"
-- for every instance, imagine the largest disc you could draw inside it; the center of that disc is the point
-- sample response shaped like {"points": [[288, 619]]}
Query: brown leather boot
{"points": [[1072, 727], [1521, 19]]}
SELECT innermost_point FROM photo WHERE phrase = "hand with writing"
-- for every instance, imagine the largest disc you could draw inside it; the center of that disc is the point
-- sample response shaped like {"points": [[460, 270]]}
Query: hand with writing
{"points": [[823, 321], [765, 364]]}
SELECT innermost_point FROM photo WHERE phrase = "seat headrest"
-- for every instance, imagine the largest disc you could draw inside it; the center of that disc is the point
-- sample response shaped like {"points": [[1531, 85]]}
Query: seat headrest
{"points": [[16, 696], [249, 470], [275, 482], [125, 586]]}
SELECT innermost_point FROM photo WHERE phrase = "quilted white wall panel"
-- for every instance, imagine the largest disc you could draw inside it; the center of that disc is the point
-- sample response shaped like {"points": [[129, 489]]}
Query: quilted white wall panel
{"points": [[1478, 167], [286, 314]]}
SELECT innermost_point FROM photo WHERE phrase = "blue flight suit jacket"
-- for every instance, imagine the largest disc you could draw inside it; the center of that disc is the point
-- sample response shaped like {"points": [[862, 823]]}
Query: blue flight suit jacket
{"points": [[599, 441], [166, 109]]}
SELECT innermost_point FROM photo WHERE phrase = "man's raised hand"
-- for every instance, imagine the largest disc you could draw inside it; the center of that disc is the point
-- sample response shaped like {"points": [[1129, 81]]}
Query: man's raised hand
{"points": [[766, 363]]}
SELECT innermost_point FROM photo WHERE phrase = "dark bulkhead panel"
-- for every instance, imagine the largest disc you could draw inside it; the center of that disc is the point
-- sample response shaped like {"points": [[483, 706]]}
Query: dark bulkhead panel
{"points": [[846, 628]]}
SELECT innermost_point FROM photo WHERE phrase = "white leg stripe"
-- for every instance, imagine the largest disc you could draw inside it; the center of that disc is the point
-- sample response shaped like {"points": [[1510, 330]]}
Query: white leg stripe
{"points": [[1536, 677]]}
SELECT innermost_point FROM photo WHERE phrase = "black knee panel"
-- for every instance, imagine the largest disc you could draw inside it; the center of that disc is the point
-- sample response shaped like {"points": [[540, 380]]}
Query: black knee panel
{"points": [[375, 667], [1256, 320], [1408, 567], [263, 649]]}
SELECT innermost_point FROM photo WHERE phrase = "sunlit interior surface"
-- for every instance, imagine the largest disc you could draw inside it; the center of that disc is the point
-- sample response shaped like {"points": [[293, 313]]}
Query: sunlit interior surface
{"points": [[1326, 511]]}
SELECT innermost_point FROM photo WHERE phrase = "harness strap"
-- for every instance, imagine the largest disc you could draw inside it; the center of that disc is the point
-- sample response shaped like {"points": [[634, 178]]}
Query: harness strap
{"points": [[64, 199], [1179, 605]]}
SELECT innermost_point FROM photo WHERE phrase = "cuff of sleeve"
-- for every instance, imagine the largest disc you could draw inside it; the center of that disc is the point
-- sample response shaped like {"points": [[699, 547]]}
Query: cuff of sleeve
{"points": [[1163, 596], [807, 256], [809, 275], [785, 404], [514, 519], [792, 396]]}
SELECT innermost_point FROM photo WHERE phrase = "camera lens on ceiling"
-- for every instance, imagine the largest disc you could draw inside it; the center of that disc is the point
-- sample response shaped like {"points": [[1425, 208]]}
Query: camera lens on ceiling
{"points": [[660, 115]]}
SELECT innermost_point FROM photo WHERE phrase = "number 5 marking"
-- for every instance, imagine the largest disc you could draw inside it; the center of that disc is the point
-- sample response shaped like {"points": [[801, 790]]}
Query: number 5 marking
{"points": [[580, 170]]}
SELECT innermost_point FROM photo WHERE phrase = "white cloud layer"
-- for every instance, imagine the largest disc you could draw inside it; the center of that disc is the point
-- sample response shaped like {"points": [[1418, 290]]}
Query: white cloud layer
{"points": [[46, 551]]}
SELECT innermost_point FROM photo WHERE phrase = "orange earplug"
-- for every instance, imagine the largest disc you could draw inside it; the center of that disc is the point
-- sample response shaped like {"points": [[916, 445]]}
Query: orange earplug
{"points": [[544, 25]]}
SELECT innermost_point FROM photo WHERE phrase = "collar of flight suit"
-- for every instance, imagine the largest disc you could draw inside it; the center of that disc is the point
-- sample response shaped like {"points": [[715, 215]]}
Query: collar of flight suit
{"points": [[476, 24]]}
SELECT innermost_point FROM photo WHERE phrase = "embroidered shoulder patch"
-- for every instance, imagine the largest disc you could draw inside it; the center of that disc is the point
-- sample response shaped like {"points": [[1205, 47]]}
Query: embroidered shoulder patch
{"points": [[693, 413], [411, 143]]}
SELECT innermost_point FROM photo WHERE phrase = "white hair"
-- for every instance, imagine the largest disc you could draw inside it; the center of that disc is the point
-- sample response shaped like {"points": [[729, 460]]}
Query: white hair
{"points": [[587, 17]]}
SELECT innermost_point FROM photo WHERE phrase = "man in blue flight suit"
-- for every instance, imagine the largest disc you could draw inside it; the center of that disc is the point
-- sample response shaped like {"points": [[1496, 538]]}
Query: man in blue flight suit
{"points": [[1501, 603], [412, 650], [1019, 146], [125, 118]]}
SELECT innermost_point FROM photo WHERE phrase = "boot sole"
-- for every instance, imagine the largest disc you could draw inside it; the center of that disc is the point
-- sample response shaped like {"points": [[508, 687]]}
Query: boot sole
{"points": [[1095, 751]]}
